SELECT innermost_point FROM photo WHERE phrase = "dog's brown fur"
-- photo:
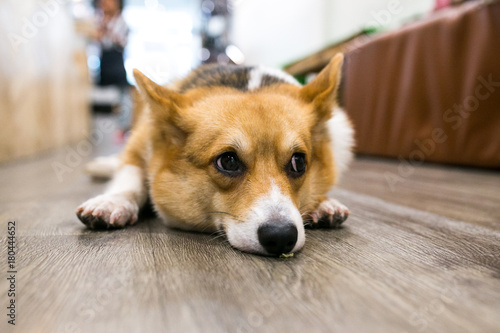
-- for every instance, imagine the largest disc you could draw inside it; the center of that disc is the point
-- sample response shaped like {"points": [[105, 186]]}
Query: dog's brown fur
{"points": [[183, 131], [187, 131]]}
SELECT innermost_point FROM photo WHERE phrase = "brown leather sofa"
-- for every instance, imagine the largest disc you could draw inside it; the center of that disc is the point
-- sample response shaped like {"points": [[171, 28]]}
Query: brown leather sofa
{"points": [[431, 90]]}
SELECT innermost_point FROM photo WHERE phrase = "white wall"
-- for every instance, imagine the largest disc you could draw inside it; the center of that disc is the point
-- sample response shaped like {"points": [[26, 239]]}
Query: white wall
{"points": [[276, 32], [271, 32]]}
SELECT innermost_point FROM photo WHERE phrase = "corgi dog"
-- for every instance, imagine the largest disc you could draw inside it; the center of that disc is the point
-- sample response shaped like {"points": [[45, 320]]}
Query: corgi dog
{"points": [[247, 151]]}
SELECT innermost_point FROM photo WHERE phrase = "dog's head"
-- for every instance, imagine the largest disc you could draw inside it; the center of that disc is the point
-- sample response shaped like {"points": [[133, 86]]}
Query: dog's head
{"points": [[250, 163]]}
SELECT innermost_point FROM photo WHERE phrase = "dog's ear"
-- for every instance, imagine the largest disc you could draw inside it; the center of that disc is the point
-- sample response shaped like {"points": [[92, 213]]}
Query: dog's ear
{"points": [[322, 90], [166, 106], [155, 92]]}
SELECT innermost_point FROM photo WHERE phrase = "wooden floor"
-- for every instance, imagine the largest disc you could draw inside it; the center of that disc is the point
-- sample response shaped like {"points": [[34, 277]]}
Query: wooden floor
{"points": [[418, 255]]}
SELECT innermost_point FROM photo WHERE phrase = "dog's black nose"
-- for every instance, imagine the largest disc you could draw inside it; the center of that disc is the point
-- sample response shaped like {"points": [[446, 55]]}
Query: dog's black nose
{"points": [[277, 238]]}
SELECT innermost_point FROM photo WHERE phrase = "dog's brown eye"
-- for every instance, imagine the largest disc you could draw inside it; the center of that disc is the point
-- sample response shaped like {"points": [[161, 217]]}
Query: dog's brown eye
{"points": [[297, 165], [229, 164]]}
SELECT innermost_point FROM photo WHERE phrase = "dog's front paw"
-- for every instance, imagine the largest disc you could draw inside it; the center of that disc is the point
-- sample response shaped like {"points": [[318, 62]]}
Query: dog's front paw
{"points": [[108, 211], [329, 214]]}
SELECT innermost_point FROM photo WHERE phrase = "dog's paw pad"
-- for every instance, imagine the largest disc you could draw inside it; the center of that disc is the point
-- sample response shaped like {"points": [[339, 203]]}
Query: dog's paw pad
{"points": [[108, 211], [329, 214]]}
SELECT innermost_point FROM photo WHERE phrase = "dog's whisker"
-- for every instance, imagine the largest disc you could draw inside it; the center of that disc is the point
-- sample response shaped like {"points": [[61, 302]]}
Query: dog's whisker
{"points": [[221, 212], [306, 206], [219, 234], [226, 213], [217, 238]]}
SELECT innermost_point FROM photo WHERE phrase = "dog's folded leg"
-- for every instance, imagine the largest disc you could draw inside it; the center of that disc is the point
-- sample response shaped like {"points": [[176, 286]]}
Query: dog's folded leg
{"points": [[119, 205], [329, 214], [104, 166]]}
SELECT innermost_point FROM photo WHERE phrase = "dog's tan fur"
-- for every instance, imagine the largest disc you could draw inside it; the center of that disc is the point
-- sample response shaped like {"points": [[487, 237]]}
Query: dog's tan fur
{"points": [[179, 135]]}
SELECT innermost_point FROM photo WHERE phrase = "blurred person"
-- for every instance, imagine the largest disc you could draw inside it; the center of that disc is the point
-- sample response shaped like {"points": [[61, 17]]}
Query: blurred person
{"points": [[112, 34]]}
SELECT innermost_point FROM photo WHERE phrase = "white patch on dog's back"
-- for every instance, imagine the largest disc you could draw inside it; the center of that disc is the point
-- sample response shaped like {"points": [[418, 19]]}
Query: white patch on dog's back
{"points": [[342, 136], [257, 73]]}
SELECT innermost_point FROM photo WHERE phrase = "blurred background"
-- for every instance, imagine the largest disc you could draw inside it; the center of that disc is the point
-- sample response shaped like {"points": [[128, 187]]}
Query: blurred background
{"points": [[407, 64]]}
